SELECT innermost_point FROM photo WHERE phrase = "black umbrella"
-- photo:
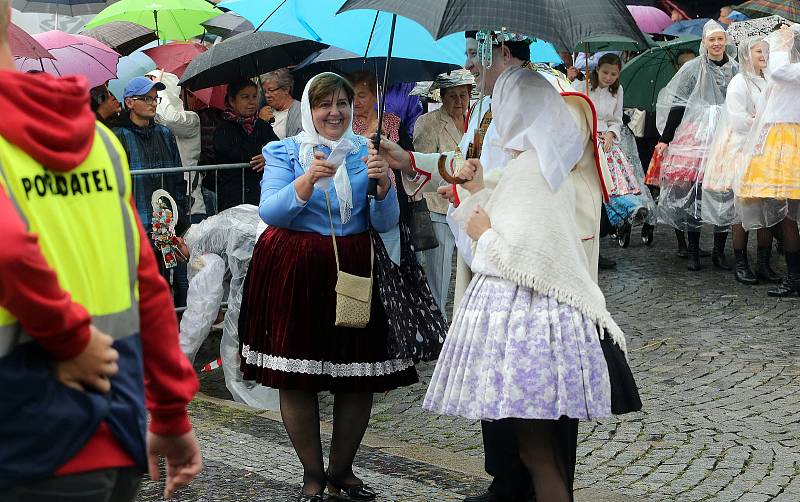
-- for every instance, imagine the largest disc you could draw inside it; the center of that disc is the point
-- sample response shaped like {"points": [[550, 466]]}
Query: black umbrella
{"points": [[227, 25], [245, 56], [122, 36], [565, 23], [63, 7], [344, 62]]}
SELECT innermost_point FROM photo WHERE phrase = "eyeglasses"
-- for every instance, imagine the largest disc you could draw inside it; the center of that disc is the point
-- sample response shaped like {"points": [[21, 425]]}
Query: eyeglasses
{"points": [[148, 100], [267, 90]]}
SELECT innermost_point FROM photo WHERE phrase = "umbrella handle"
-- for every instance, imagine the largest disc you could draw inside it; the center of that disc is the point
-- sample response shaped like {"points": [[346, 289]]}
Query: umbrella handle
{"points": [[372, 187]]}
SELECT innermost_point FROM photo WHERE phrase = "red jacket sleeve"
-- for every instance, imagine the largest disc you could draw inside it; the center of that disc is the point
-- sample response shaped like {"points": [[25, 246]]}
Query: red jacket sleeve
{"points": [[170, 380], [30, 291]]}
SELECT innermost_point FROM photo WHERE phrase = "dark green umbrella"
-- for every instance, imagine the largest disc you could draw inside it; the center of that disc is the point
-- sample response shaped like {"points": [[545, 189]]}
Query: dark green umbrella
{"points": [[645, 75], [790, 9]]}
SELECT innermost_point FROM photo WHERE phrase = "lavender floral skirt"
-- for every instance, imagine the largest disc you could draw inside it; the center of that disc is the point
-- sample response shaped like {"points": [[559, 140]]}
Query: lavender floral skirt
{"points": [[512, 352]]}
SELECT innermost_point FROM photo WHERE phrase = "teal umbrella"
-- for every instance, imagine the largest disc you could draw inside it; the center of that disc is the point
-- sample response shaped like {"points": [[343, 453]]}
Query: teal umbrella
{"points": [[645, 75], [170, 19]]}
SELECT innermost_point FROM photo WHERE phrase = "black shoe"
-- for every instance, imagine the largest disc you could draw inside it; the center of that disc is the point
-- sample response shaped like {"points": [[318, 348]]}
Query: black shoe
{"points": [[743, 272], [318, 497], [763, 270], [353, 492], [606, 263], [718, 256], [647, 234], [789, 287], [486, 496]]}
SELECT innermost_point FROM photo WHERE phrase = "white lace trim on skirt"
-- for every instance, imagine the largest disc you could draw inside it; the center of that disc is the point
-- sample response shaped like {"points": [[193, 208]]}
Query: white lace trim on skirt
{"points": [[311, 367]]}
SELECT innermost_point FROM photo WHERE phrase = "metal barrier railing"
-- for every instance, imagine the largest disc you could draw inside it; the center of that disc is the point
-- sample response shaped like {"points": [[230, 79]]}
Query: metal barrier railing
{"points": [[190, 185]]}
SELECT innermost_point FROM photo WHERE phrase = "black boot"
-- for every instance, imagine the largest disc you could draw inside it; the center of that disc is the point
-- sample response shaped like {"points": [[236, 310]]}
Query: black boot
{"points": [[763, 270], [743, 272], [693, 252], [682, 253], [791, 284], [718, 255]]}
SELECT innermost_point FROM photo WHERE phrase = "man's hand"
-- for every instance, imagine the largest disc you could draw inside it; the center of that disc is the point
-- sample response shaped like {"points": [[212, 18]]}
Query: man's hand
{"points": [[661, 148], [395, 155], [93, 367], [446, 192], [472, 171], [182, 455], [478, 223], [572, 73]]}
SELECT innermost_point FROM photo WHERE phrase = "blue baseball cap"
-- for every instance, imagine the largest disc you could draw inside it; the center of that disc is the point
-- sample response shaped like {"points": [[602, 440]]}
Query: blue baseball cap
{"points": [[140, 86]]}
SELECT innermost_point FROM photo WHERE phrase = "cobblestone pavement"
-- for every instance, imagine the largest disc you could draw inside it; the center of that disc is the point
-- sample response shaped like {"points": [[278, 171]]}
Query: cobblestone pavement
{"points": [[718, 367]]}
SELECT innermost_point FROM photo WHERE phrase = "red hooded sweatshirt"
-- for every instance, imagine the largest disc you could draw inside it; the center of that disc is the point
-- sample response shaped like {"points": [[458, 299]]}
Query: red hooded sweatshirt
{"points": [[50, 120]]}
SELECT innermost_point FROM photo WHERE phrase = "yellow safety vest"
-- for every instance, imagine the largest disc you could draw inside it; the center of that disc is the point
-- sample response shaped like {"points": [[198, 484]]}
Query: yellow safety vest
{"points": [[86, 230]]}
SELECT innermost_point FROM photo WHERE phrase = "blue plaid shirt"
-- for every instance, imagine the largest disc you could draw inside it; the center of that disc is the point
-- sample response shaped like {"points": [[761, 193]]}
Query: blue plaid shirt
{"points": [[151, 147]]}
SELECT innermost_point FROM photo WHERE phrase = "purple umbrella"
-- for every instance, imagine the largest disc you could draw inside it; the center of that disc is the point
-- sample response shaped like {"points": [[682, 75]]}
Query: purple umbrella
{"points": [[650, 19], [75, 55]]}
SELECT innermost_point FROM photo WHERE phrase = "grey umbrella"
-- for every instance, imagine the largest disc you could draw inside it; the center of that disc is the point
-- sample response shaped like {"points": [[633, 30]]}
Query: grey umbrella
{"points": [[247, 55], [63, 7], [344, 62], [227, 25], [122, 36], [565, 23]]}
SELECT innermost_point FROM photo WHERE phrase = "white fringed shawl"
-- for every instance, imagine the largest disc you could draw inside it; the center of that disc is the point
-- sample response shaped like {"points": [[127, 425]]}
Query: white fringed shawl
{"points": [[539, 246]]}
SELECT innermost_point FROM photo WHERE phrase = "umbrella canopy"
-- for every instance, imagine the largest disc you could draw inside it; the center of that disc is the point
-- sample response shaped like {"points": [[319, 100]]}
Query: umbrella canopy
{"points": [[75, 55], [790, 9], [122, 36], [759, 27], [227, 25], [565, 24], [174, 57], [650, 19], [693, 27], [24, 45], [341, 61], [133, 65], [170, 19], [645, 75], [63, 7], [365, 33], [245, 56], [614, 43]]}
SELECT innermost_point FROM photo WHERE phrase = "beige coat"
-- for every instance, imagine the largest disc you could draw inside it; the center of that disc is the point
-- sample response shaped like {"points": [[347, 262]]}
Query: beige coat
{"points": [[436, 132]]}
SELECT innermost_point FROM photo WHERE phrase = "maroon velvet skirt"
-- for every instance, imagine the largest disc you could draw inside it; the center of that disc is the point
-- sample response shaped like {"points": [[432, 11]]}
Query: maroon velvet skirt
{"points": [[288, 339]]}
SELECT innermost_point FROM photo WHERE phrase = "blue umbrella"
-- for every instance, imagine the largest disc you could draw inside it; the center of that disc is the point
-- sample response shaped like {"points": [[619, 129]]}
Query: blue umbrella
{"points": [[687, 27], [544, 52], [134, 65], [355, 31]]}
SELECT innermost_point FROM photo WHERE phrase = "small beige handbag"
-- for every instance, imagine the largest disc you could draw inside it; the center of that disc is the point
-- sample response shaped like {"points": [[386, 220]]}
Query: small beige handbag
{"points": [[353, 292]]}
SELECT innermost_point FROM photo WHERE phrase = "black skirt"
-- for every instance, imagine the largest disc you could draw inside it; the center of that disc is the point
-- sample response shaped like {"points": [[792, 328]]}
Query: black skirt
{"points": [[288, 338]]}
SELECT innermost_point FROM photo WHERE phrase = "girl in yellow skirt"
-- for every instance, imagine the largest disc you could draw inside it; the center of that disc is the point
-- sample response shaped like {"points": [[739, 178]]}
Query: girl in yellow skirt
{"points": [[768, 194]]}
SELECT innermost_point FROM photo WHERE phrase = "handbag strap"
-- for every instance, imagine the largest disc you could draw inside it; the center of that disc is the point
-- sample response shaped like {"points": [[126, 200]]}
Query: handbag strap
{"points": [[333, 237]]}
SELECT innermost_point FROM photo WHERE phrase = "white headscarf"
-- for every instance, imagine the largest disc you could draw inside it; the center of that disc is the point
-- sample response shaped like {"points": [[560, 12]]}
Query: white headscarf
{"points": [[310, 138], [528, 113]]}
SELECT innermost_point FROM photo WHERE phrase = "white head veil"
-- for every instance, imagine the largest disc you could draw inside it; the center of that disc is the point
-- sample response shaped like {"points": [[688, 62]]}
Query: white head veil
{"points": [[528, 113], [309, 138]]}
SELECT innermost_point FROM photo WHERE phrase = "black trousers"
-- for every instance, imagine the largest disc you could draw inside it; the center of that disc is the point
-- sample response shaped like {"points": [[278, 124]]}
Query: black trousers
{"points": [[106, 485], [512, 482]]}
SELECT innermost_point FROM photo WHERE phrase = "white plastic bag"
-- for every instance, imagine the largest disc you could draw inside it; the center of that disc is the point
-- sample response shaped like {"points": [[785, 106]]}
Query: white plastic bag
{"points": [[203, 301]]}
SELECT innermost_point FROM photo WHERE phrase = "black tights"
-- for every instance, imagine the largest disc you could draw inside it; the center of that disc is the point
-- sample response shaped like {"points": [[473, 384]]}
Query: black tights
{"points": [[740, 237], [538, 449], [300, 414], [788, 230]]}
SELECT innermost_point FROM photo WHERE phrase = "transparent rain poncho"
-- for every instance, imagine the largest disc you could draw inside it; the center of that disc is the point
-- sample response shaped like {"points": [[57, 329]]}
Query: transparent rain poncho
{"points": [[699, 90], [228, 237], [768, 186], [722, 164]]}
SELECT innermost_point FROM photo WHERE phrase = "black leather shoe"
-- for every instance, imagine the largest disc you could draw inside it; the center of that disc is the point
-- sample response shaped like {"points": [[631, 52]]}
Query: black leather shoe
{"points": [[319, 497], [352, 492], [743, 272], [790, 286], [486, 496]]}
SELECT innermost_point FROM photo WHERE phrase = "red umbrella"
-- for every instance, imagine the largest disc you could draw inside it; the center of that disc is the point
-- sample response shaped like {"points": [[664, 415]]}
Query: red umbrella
{"points": [[174, 57], [213, 97], [24, 45]]}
